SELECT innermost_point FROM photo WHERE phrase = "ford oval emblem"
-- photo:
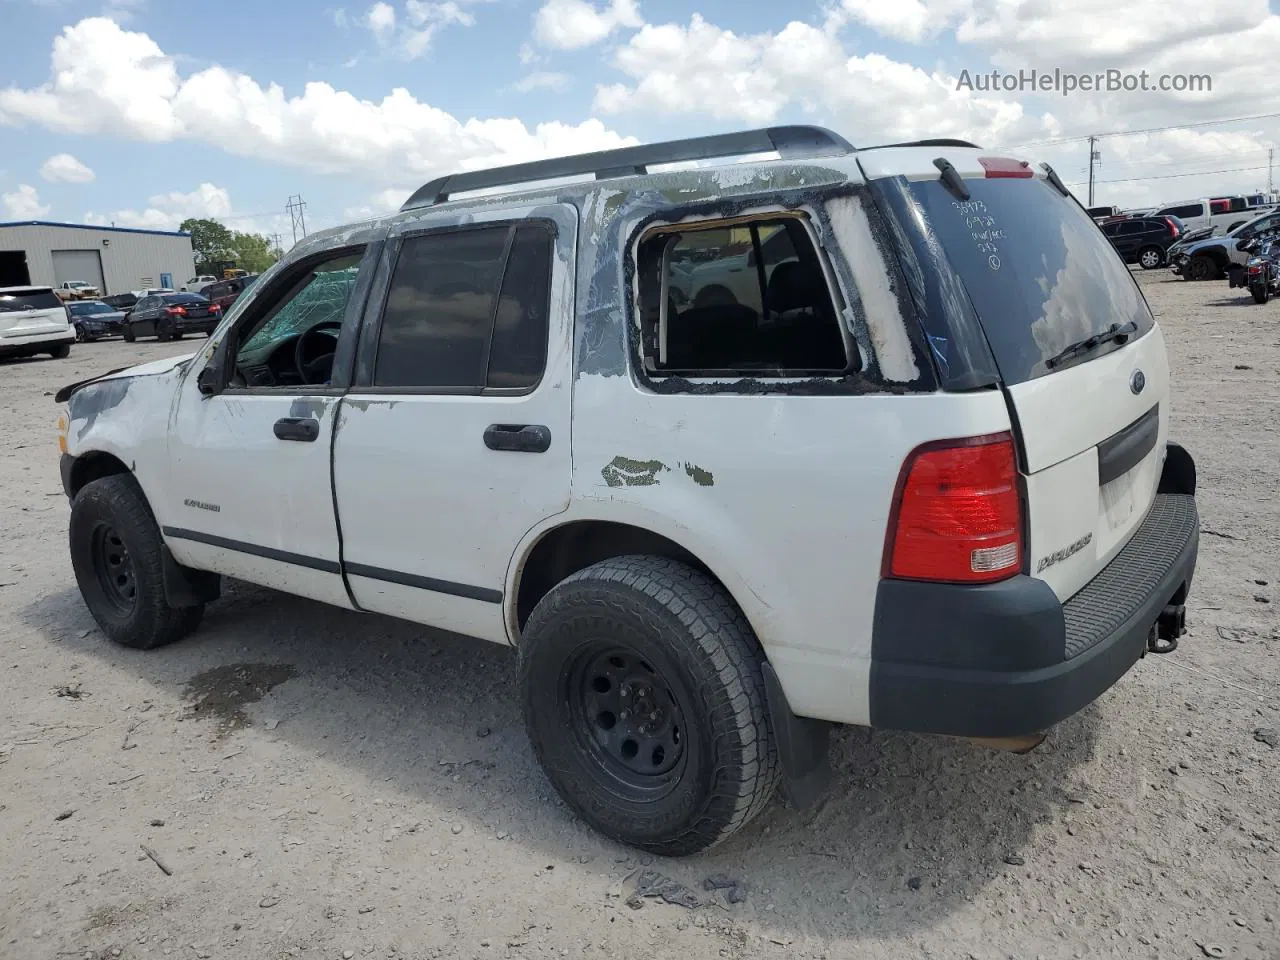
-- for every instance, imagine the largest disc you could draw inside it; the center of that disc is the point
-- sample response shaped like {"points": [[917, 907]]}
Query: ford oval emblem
{"points": [[1137, 381]]}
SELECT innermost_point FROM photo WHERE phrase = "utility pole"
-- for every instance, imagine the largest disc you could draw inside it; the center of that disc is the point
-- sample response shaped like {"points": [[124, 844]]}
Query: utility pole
{"points": [[296, 216], [275, 242], [1271, 156], [1093, 155]]}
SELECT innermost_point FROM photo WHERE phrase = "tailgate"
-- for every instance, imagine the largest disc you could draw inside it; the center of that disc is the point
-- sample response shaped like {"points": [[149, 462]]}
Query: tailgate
{"points": [[1044, 298], [26, 312]]}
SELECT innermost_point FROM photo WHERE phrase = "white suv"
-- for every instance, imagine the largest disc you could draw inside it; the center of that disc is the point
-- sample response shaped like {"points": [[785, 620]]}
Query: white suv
{"points": [[916, 475], [34, 320]]}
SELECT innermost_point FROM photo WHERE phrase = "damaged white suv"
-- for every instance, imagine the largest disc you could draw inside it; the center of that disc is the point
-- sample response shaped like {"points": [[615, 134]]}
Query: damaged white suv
{"points": [[729, 453]]}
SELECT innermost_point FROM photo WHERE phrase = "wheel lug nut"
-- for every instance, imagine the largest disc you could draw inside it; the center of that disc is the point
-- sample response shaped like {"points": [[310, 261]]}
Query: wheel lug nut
{"points": [[653, 716], [622, 715]]}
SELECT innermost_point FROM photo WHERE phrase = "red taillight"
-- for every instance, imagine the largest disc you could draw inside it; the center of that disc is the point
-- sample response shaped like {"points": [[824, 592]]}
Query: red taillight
{"points": [[1172, 226], [176, 311], [996, 167], [957, 516], [214, 308]]}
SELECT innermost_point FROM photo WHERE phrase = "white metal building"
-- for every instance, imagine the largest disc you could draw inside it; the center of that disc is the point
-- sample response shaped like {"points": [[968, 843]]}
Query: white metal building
{"points": [[114, 259]]}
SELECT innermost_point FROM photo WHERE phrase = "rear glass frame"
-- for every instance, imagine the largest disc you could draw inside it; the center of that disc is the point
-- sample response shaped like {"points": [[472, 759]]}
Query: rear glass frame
{"points": [[29, 302], [1021, 221]]}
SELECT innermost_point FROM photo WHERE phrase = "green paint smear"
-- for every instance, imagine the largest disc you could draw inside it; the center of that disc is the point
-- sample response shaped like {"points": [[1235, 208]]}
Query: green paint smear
{"points": [[625, 472], [703, 478]]}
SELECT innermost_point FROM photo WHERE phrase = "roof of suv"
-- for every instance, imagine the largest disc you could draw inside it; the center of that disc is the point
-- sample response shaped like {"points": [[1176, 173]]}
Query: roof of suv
{"points": [[790, 146]]}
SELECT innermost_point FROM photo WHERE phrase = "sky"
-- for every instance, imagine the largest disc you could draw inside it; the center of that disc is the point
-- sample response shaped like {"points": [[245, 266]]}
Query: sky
{"points": [[145, 112]]}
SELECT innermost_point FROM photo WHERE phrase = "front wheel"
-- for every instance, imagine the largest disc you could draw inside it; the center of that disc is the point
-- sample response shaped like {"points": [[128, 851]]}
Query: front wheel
{"points": [[128, 335], [1150, 258], [1203, 268], [61, 351], [1261, 294], [117, 555], [644, 701]]}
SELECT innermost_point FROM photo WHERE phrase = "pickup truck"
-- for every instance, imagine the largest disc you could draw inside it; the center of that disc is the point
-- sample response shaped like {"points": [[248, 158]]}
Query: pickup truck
{"points": [[77, 290], [1223, 215]]}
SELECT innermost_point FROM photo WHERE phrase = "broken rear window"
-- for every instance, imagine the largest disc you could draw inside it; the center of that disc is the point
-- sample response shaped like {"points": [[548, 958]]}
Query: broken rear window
{"points": [[738, 298]]}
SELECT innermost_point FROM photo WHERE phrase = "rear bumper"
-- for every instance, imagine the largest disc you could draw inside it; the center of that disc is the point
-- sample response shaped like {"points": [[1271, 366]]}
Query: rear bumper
{"points": [[198, 325], [35, 342], [1008, 659]]}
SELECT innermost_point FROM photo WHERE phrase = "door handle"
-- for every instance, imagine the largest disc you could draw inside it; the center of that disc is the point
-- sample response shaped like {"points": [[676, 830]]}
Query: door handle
{"points": [[303, 429], [523, 438]]}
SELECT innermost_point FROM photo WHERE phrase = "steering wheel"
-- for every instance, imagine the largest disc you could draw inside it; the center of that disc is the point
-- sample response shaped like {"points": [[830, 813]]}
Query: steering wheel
{"points": [[315, 369]]}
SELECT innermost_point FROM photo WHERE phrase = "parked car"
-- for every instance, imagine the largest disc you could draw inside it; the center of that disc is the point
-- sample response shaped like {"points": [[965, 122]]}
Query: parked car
{"points": [[94, 319], [34, 320], [947, 504], [1203, 213], [1209, 258], [1145, 240], [1103, 213], [170, 316], [77, 290], [123, 302], [195, 283], [225, 292]]}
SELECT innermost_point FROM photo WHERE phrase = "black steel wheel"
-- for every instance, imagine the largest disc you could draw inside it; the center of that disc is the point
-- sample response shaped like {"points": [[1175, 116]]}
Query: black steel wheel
{"points": [[119, 561], [112, 564], [626, 717], [644, 701], [1261, 292]]}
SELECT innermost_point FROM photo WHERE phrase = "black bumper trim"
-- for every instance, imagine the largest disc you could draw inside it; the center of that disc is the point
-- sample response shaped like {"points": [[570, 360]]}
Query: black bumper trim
{"points": [[992, 661]]}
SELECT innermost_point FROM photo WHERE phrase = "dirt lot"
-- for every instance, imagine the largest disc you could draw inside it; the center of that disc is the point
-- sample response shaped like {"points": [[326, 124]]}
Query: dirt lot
{"points": [[324, 784]]}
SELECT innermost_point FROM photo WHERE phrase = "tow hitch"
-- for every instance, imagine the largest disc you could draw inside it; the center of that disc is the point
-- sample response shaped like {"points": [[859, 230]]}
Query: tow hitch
{"points": [[1169, 626]]}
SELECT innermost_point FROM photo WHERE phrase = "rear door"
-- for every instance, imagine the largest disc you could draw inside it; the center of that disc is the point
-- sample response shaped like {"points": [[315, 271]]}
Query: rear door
{"points": [[453, 442], [1092, 421]]}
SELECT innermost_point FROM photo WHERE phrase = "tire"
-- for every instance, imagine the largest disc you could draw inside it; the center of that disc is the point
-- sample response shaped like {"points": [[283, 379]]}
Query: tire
{"points": [[1149, 258], [176, 335], [61, 351], [668, 641], [1261, 294], [79, 335], [110, 518], [128, 335], [164, 330], [1202, 268]]}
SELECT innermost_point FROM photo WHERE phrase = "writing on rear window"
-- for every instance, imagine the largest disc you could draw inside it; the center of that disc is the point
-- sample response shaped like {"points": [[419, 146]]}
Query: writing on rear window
{"points": [[982, 227]]}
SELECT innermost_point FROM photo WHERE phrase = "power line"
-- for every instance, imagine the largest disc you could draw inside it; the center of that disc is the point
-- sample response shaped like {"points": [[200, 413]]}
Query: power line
{"points": [[1134, 133], [1174, 176]]}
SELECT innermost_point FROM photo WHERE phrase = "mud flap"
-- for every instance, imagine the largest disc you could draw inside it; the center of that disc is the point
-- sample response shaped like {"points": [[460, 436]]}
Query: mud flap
{"points": [[802, 747], [184, 587]]}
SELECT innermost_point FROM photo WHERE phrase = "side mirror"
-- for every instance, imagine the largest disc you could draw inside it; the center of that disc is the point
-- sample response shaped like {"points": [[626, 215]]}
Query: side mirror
{"points": [[207, 380]]}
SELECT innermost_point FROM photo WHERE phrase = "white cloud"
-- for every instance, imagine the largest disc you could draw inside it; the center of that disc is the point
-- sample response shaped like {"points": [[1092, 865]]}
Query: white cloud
{"points": [[166, 210], [544, 80], [64, 168], [571, 24], [381, 19], [24, 203], [380, 204], [910, 20], [340, 18], [122, 11], [109, 80], [409, 35]]}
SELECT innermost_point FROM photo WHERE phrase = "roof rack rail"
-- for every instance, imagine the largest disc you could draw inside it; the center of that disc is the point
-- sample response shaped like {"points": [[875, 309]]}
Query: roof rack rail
{"points": [[791, 143], [927, 143]]}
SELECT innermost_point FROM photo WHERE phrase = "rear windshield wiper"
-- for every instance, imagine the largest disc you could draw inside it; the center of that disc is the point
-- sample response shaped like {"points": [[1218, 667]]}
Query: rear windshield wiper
{"points": [[1118, 332]]}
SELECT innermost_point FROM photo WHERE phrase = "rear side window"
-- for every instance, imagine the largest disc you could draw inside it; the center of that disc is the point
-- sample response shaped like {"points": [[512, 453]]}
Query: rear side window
{"points": [[468, 309], [1190, 210], [738, 299], [16, 302], [1037, 271]]}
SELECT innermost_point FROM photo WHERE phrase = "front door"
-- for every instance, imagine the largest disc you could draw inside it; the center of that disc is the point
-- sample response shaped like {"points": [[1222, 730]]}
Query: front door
{"points": [[454, 439], [250, 460]]}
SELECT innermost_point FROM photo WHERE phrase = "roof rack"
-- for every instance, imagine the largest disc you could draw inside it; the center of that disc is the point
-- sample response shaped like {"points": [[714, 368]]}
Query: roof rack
{"points": [[927, 143], [791, 143]]}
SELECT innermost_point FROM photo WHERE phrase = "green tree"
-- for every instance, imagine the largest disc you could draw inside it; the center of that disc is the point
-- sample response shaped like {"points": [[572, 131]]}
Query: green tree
{"points": [[210, 241], [252, 251]]}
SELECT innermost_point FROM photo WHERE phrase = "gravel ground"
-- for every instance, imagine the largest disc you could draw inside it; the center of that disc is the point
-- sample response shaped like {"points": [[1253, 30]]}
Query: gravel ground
{"points": [[318, 783]]}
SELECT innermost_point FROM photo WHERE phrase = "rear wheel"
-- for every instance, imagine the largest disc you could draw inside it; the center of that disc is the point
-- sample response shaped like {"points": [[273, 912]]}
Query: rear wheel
{"points": [[1203, 268], [128, 335], [116, 552], [644, 700], [1150, 257], [164, 330], [61, 351], [1260, 292]]}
